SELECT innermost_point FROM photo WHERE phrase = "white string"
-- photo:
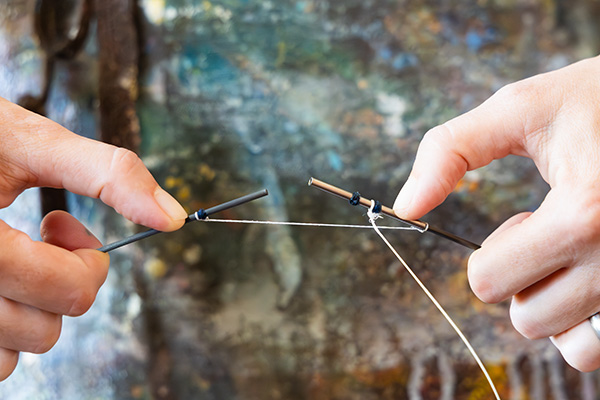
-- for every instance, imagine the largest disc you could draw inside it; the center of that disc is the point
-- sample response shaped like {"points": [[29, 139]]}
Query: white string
{"points": [[374, 216], [252, 221]]}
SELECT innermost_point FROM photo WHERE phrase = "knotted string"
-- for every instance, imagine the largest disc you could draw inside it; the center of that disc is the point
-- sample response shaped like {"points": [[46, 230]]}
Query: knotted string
{"points": [[355, 199], [200, 214], [375, 215]]}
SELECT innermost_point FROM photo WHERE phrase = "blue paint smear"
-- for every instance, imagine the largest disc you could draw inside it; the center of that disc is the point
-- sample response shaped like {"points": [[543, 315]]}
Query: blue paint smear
{"points": [[404, 60], [335, 161], [385, 53], [475, 39], [201, 63]]}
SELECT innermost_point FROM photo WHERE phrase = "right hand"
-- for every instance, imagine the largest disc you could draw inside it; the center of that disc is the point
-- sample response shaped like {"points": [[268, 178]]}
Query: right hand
{"points": [[547, 261]]}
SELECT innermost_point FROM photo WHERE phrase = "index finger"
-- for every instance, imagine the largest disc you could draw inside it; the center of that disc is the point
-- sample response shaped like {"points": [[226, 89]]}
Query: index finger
{"points": [[495, 129], [43, 153]]}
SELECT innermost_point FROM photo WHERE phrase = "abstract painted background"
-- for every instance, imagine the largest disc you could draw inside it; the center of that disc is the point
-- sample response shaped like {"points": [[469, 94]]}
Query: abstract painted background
{"points": [[231, 96]]}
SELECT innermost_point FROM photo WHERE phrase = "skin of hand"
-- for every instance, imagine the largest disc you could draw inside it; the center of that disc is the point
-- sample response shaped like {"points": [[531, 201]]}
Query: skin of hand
{"points": [[61, 275], [548, 261]]}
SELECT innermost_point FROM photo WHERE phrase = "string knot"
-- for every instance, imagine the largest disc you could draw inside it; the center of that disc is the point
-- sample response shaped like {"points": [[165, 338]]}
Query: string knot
{"points": [[377, 207], [374, 212], [355, 199], [200, 214]]}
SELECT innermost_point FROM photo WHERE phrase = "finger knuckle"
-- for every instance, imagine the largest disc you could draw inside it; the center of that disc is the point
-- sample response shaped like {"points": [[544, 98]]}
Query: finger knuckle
{"points": [[586, 208], [436, 136], [48, 333], [124, 161], [93, 269], [122, 164], [482, 289], [8, 363], [482, 286], [523, 91], [584, 365], [445, 141], [524, 321], [19, 239], [81, 301], [580, 357]]}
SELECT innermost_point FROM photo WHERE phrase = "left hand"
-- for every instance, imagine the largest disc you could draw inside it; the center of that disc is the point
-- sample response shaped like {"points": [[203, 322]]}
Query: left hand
{"points": [[61, 275]]}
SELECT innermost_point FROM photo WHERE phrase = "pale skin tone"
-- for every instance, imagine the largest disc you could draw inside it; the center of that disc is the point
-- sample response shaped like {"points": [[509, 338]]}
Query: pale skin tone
{"points": [[61, 275], [548, 261]]}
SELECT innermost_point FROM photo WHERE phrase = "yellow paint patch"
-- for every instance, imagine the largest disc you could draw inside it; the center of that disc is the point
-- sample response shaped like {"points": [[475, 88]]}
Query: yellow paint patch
{"points": [[206, 172], [155, 268], [172, 182], [184, 193]]}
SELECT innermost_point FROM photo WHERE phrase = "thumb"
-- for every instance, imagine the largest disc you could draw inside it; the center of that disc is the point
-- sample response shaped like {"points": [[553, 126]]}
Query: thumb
{"points": [[50, 155], [491, 131]]}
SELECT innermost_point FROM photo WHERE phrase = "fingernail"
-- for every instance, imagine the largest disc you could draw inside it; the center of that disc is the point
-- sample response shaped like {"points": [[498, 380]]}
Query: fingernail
{"points": [[406, 196], [169, 205]]}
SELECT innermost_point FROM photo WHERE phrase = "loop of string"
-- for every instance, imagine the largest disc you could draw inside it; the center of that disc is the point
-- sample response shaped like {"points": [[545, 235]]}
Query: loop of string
{"points": [[373, 216]]}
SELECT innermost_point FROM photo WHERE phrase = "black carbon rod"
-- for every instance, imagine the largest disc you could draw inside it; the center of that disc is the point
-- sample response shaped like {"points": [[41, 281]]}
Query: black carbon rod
{"points": [[197, 216], [420, 225]]}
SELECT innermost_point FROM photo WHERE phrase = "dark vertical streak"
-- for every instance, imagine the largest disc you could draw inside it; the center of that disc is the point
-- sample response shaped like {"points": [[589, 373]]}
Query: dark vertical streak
{"points": [[118, 79], [119, 55], [51, 26]]}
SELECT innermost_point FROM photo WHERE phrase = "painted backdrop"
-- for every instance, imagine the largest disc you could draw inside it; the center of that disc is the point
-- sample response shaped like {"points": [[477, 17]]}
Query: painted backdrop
{"points": [[236, 95]]}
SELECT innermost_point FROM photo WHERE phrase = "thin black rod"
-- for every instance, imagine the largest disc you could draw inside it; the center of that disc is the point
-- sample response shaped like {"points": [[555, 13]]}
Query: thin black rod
{"points": [[197, 216], [420, 225], [456, 239]]}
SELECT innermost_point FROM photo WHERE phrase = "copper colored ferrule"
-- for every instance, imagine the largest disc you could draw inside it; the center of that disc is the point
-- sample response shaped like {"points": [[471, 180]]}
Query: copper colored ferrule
{"points": [[419, 225]]}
